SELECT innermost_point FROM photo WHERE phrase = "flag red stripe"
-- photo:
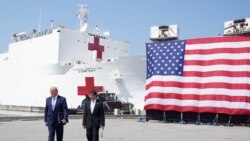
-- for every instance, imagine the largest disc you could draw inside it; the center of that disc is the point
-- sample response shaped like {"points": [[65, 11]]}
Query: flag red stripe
{"points": [[213, 85], [217, 73], [197, 109], [198, 97], [217, 62], [217, 40], [218, 50]]}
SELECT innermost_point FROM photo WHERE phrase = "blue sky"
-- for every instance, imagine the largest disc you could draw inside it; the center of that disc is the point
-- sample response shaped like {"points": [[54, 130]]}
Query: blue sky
{"points": [[128, 20]]}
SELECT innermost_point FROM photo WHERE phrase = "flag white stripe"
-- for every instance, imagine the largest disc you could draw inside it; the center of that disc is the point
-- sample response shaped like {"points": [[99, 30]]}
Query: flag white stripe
{"points": [[218, 45], [158, 89], [196, 103], [217, 56], [232, 80], [217, 67]]}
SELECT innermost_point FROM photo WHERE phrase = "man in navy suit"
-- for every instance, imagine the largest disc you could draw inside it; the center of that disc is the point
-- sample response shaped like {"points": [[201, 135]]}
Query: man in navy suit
{"points": [[93, 117], [55, 114]]}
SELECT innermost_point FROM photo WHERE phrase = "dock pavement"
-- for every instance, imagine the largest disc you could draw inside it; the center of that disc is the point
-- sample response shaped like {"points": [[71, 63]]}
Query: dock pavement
{"points": [[30, 127]]}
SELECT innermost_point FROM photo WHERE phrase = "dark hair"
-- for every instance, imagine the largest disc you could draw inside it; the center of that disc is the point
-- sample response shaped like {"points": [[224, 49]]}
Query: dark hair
{"points": [[94, 92]]}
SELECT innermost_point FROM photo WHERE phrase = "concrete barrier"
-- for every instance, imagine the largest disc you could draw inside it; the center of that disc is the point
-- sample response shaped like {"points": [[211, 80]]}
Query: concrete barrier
{"points": [[22, 108]]}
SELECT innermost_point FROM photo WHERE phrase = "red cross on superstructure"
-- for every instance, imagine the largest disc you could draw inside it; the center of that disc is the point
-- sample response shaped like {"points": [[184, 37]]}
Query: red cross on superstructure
{"points": [[96, 46], [90, 86]]}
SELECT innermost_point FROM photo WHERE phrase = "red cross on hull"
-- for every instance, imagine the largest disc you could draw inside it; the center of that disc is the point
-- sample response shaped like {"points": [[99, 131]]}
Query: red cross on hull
{"points": [[96, 46], [90, 86]]}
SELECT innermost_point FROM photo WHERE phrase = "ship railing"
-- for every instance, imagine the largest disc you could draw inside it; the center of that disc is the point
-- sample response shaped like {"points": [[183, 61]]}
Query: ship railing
{"points": [[97, 35], [105, 37], [34, 34]]}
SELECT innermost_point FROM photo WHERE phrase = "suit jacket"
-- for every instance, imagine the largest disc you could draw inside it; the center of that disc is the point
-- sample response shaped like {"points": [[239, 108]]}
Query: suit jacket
{"points": [[97, 118], [53, 118]]}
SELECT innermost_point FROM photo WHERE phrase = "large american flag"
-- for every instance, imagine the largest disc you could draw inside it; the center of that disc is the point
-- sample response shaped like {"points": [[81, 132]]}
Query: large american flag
{"points": [[199, 75]]}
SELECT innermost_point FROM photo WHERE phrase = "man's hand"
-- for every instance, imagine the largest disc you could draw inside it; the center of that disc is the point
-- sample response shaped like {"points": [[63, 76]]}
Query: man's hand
{"points": [[63, 121], [46, 124]]}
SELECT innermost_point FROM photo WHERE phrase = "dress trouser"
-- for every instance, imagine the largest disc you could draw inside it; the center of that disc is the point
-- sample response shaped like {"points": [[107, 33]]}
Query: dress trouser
{"points": [[59, 133], [93, 134]]}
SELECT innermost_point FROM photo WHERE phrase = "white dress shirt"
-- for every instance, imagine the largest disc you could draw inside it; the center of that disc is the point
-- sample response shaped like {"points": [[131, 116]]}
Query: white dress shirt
{"points": [[53, 102], [92, 105]]}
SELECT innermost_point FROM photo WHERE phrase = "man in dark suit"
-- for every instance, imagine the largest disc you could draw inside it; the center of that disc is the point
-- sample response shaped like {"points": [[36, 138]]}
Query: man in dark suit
{"points": [[93, 117], [55, 114]]}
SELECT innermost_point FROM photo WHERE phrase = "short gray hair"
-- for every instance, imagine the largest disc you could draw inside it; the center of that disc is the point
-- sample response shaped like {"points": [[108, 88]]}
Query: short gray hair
{"points": [[53, 88]]}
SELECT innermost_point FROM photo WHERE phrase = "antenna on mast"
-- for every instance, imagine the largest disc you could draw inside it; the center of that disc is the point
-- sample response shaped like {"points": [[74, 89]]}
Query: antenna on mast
{"points": [[51, 24], [40, 19], [82, 14]]}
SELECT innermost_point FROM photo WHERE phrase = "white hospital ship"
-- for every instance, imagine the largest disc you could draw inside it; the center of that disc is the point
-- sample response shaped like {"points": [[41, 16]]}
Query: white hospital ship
{"points": [[75, 61]]}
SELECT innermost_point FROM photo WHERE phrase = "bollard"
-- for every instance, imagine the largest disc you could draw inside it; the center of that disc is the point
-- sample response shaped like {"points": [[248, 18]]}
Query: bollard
{"points": [[116, 112]]}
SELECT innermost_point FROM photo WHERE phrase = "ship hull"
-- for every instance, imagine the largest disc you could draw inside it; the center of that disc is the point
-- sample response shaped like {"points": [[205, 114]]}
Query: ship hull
{"points": [[29, 85]]}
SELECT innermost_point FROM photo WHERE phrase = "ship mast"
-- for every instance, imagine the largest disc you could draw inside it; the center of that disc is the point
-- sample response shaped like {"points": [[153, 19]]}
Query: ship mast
{"points": [[82, 14]]}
